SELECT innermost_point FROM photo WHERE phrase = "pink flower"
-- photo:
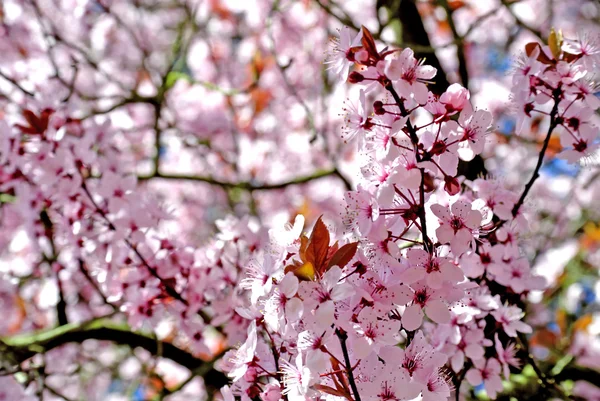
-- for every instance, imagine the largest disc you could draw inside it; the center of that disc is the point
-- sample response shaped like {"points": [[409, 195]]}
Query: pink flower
{"points": [[435, 270], [361, 210], [506, 356], [437, 387], [424, 298], [457, 228], [297, 379], [470, 346], [475, 125], [342, 54], [455, 98], [358, 119], [374, 331], [510, 319], [282, 307], [320, 297], [410, 75], [588, 46], [419, 359], [244, 355], [516, 275], [385, 382], [488, 373], [116, 189], [271, 392], [443, 148], [11, 390], [260, 277], [227, 393], [496, 197], [582, 145]]}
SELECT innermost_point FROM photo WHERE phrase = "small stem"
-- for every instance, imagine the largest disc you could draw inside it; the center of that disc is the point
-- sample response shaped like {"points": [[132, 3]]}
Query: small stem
{"points": [[536, 172], [343, 336], [547, 383], [415, 141]]}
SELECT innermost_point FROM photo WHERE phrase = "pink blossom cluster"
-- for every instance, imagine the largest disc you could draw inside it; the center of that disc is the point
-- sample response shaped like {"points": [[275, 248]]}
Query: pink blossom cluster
{"points": [[146, 148], [79, 208], [556, 82], [433, 285]]}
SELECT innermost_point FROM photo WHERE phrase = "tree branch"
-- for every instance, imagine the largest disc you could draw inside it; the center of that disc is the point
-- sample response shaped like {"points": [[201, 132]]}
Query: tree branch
{"points": [[536, 172], [520, 22], [16, 84], [26, 346], [343, 336], [248, 185], [460, 46], [415, 142], [547, 383]]}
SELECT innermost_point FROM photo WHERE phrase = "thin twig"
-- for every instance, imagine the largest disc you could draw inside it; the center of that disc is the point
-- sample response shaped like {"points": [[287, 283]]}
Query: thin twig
{"points": [[546, 382], [460, 46], [536, 171], [343, 336], [16, 84], [415, 141], [249, 185]]}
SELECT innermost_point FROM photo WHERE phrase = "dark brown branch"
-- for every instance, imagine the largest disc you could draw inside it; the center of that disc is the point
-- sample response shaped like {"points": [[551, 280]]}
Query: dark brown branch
{"points": [[248, 185], [520, 22], [578, 373], [16, 84], [536, 171], [343, 336], [415, 142], [121, 336], [548, 383], [460, 46], [413, 31]]}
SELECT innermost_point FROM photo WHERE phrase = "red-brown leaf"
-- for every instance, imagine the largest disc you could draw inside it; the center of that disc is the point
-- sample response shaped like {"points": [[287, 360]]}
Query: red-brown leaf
{"points": [[319, 244], [570, 57], [304, 242], [333, 391], [542, 57], [343, 256], [369, 43]]}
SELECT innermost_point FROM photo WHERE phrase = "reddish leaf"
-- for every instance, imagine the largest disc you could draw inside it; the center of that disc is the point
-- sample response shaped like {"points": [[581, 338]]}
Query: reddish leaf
{"points": [[303, 247], [530, 47], [319, 244], [542, 57], [37, 125], [339, 378], [369, 43], [343, 256], [333, 391], [570, 57], [331, 251], [385, 52]]}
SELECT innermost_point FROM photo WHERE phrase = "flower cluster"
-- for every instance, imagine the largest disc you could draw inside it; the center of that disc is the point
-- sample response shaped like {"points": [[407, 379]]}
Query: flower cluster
{"points": [[80, 210], [147, 150], [551, 80], [430, 286]]}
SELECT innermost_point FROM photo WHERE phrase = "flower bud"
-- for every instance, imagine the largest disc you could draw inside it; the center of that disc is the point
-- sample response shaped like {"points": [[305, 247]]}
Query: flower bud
{"points": [[451, 185], [355, 77], [378, 108]]}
